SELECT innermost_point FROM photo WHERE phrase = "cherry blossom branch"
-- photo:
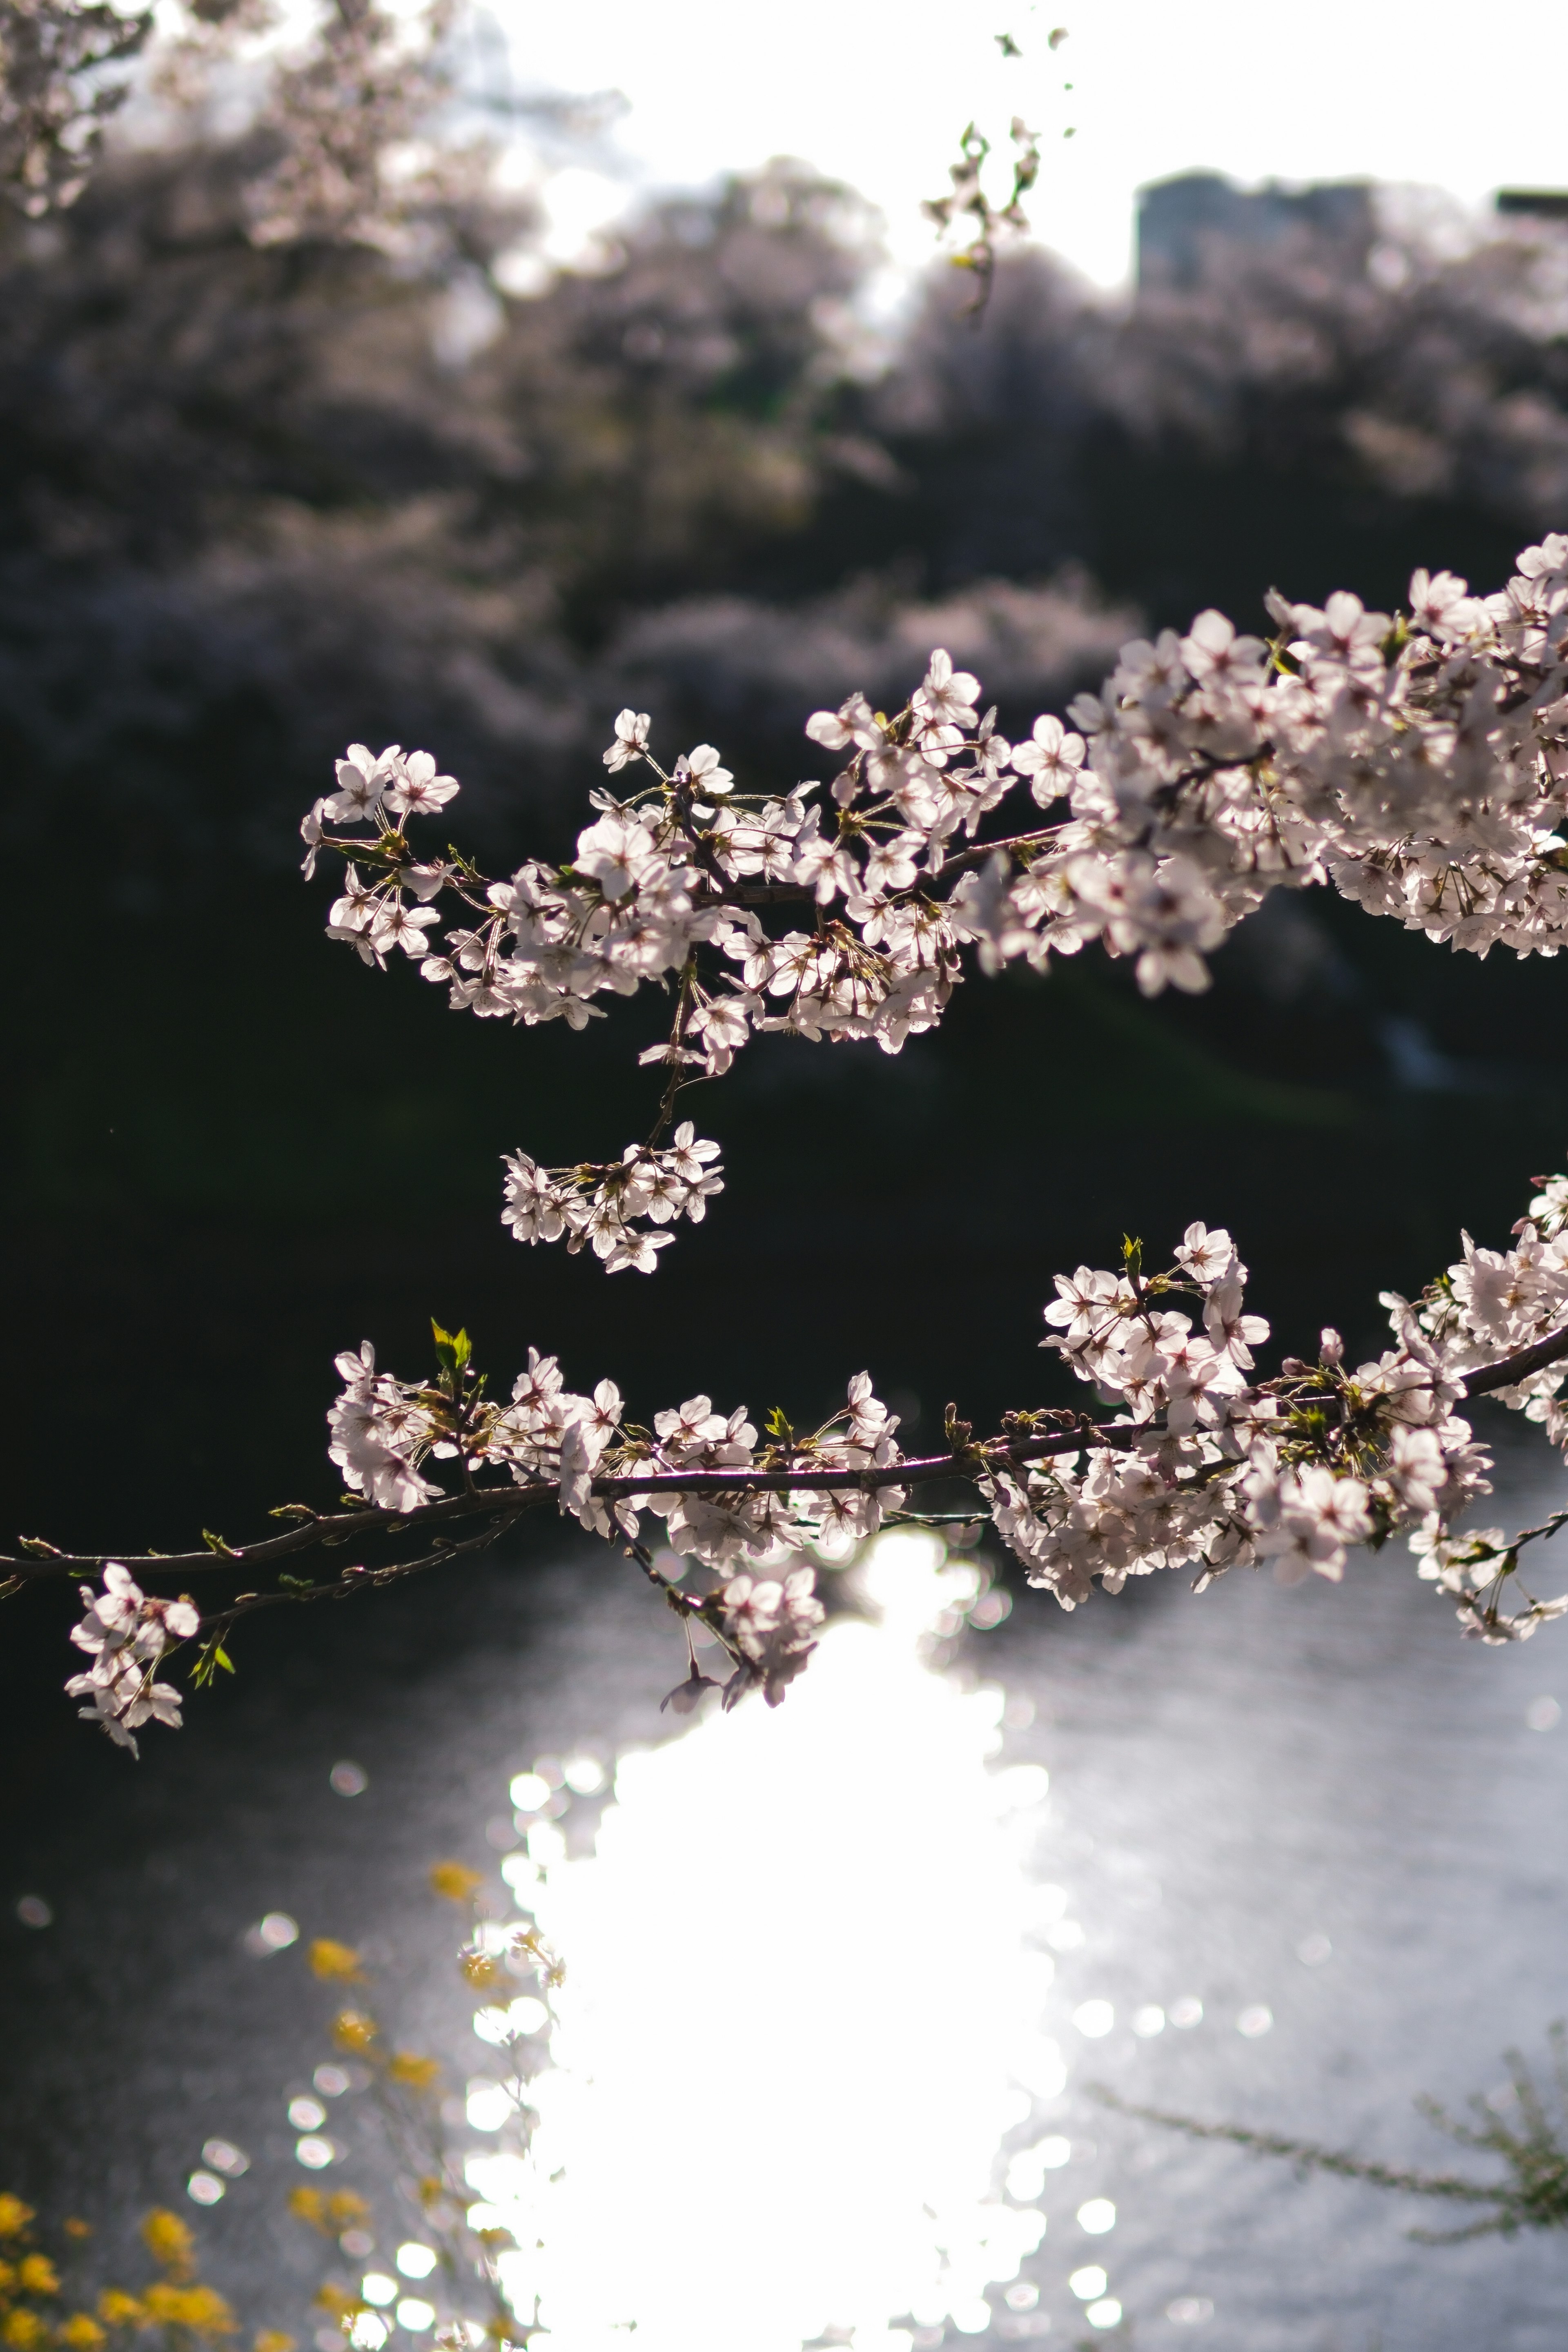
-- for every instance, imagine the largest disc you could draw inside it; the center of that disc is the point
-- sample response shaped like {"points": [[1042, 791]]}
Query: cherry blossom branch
{"points": [[1552, 1350], [1417, 761], [43, 1561], [1202, 1466]]}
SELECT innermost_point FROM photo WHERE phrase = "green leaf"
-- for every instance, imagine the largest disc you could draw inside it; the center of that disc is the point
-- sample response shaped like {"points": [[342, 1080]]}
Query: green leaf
{"points": [[213, 1655], [453, 1349]]}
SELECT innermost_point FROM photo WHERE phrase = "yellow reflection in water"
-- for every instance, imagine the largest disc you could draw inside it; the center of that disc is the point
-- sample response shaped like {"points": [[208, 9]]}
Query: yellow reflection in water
{"points": [[798, 2019]]}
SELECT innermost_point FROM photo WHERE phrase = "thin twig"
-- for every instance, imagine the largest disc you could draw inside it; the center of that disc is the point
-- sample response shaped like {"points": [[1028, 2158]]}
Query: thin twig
{"points": [[352, 1580], [1307, 2154], [1512, 1369]]}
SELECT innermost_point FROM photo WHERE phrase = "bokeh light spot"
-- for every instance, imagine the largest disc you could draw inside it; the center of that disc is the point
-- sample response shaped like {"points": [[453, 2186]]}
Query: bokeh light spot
{"points": [[274, 1933]]}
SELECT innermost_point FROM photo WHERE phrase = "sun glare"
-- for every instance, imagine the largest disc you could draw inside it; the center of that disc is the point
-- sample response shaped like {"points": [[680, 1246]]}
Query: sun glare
{"points": [[800, 2015]]}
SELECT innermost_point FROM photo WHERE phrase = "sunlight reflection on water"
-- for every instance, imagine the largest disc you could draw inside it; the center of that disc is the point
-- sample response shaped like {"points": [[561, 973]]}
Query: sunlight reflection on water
{"points": [[800, 2015]]}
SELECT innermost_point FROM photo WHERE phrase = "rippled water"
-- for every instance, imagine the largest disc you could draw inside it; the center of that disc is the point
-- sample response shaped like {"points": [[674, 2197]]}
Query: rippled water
{"points": [[1314, 1814]]}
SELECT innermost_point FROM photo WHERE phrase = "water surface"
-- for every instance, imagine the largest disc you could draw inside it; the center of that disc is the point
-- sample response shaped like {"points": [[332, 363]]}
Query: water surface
{"points": [[1235, 1780]]}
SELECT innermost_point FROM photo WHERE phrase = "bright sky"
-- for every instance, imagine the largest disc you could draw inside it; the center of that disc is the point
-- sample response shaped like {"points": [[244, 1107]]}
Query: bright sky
{"points": [[876, 93]]}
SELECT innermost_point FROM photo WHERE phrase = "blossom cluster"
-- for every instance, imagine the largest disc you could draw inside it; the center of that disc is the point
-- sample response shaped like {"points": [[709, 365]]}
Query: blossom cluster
{"points": [[1492, 1304], [1495, 1303], [125, 1632], [1195, 1461], [1418, 761], [1202, 1465], [601, 1205], [1205, 1467], [547, 1432], [1211, 1468], [772, 1622], [385, 1433]]}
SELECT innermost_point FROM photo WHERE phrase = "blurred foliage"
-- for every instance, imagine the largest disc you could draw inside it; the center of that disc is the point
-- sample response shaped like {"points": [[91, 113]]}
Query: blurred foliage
{"points": [[64, 71], [1524, 2125], [1319, 410], [253, 503], [398, 2118], [36, 2293]]}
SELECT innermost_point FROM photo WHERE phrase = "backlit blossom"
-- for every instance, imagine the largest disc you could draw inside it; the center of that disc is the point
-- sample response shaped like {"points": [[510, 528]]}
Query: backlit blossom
{"points": [[1421, 770], [604, 1207], [125, 1632], [774, 1622], [631, 740], [1050, 759], [414, 788]]}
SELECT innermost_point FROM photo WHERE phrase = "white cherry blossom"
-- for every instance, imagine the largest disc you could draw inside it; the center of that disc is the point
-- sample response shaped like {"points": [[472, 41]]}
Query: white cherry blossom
{"points": [[603, 1206], [125, 1632], [1051, 758], [362, 779], [774, 1622], [706, 770], [631, 740]]}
